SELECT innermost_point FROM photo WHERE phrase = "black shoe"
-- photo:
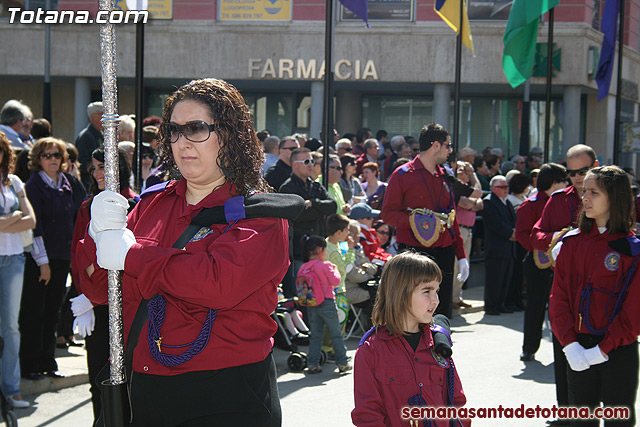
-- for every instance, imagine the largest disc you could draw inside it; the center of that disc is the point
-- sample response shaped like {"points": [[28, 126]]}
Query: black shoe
{"points": [[515, 307], [53, 374], [62, 345], [492, 312], [33, 376], [558, 422], [505, 310], [72, 343], [526, 357]]}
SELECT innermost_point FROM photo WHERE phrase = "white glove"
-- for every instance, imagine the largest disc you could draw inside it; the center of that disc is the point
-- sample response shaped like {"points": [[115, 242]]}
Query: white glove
{"points": [[595, 356], [112, 247], [80, 305], [84, 323], [108, 212], [556, 250], [575, 356], [463, 269]]}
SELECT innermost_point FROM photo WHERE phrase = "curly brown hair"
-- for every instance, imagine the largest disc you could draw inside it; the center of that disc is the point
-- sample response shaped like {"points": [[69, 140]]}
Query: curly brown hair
{"points": [[41, 146], [7, 158], [240, 157]]}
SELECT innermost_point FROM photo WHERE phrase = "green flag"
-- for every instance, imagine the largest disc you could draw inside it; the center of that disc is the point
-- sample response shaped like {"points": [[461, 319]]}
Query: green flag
{"points": [[520, 38]]}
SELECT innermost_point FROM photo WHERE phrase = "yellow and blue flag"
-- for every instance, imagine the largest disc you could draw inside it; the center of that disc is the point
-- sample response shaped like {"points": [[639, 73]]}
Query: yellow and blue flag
{"points": [[449, 11]]}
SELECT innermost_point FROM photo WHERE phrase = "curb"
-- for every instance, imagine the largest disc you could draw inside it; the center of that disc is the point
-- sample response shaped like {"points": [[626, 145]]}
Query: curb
{"points": [[72, 363], [47, 385]]}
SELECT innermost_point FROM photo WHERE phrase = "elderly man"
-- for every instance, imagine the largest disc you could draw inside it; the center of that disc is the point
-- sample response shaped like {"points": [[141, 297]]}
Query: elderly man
{"points": [[343, 146], [335, 175], [519, 163], [371, 153], [89, 139], [16, 120], [499, 219], [396, 144], [277, 174], [467, 154]]}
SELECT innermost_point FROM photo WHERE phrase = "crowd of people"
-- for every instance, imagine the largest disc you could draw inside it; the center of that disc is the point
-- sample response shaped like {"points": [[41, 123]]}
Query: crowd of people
{"points": [[387, 233]]}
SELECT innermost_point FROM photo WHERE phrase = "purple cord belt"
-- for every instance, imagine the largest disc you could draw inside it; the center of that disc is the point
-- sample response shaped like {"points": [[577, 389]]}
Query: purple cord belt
{"points": [[157, 309]]}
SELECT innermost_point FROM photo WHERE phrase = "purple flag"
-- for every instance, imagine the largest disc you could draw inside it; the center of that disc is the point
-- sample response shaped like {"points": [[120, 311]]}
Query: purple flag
{"points": [[610, 29], [359, 7]]}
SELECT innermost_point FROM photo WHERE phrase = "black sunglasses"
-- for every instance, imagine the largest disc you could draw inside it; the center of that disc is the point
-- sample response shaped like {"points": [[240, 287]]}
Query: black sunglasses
{"points": [[289, 148], [338, 168], [148, 156], [48, 156], [196, 131], [582, 171], [346, 149]]}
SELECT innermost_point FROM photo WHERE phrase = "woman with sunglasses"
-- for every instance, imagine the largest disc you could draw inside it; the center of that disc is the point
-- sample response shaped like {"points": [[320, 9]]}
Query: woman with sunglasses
{"points": [[47, 266], [204, 356], [349, 184]]}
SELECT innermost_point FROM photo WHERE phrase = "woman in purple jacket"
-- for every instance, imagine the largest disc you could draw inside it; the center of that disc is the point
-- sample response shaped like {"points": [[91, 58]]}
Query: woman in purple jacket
{"points": [[47, 266]]}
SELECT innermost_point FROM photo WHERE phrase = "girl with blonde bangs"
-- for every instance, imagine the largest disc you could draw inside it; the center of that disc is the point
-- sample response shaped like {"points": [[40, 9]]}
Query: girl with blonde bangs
{"points": [[397, 367]]}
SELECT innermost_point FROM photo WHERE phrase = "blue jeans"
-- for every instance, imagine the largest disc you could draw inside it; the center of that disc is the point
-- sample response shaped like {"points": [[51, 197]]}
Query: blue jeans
{"points": [[11, 272], [325, 314]]}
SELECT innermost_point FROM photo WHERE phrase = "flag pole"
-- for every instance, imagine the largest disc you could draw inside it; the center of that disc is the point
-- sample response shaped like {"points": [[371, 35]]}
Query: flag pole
{"points": [[547, 116], [114, 390], [456, 100], [616, 130], [139, 97], [328, 91]]}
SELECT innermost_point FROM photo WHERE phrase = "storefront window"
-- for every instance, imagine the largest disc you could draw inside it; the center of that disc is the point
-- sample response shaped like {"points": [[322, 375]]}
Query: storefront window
{"points": [[484, 122], [396, 115]]}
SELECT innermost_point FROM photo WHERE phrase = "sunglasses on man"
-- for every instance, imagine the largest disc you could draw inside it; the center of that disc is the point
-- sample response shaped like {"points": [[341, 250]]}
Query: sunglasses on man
{"points": [[306, 162], [582, 171]]}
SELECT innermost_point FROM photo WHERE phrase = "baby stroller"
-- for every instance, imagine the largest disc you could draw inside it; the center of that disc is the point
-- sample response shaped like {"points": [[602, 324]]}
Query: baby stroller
{"points": [[5, 406], [297, 360]]}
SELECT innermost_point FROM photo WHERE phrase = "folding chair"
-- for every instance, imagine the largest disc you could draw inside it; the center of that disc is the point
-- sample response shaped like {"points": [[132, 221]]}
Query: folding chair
{"points": [[357, 322]]}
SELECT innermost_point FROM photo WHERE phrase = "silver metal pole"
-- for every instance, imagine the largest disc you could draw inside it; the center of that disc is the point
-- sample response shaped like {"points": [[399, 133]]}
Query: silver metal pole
{"points": [[110, 121]]}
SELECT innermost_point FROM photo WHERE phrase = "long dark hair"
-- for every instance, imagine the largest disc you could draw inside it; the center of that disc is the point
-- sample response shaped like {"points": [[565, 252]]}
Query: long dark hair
{"points": [[240, 157], [615, 183], [124, 171]]}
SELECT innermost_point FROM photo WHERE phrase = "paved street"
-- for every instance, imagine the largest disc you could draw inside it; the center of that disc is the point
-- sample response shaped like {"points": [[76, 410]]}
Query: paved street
{"points": [[486, 351]]}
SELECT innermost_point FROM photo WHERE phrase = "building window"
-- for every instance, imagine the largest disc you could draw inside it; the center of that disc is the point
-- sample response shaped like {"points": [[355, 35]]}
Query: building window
{"points": [[492, 10], [596, 14], [383, 10], [397, 115]]}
